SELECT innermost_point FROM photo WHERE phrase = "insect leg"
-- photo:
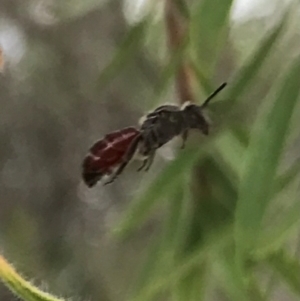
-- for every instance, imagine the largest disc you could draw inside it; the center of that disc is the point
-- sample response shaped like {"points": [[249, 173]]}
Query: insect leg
{"points": [[150, 160], [184, 137], [151, 143], [126, 159], [143, 164]]}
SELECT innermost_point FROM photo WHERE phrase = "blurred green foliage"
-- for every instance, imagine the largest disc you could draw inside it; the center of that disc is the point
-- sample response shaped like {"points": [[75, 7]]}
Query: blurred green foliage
{"points": [[233, 184], [224, 214]]}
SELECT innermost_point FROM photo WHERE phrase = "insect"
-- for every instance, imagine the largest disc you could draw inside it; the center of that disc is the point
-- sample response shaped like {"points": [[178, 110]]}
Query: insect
{"points": [[110, 155]]}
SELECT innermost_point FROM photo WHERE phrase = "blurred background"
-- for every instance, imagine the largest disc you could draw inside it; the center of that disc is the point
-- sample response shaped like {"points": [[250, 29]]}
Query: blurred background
{"points": [[76, 70]]}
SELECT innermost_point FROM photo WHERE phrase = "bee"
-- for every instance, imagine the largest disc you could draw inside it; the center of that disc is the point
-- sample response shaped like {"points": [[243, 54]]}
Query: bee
{"points": [[110, 155]]}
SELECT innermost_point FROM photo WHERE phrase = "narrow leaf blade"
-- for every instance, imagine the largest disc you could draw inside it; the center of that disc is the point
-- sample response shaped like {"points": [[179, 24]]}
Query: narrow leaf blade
{"points": [[288, 268], [159, 188], [124, 53], [248, 72], [208, 22], [262, 158]]}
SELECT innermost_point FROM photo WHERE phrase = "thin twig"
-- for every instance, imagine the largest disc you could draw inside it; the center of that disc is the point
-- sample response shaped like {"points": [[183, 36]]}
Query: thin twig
{"points": [[176, 29]]}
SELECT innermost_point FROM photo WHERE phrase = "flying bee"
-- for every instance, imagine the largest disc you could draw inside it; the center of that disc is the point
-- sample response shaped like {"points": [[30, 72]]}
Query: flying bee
{"points": [[110, 155]]}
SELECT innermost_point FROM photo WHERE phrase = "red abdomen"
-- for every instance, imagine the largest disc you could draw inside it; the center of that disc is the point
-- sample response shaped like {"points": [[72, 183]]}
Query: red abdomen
{"points": [[106, 154]]}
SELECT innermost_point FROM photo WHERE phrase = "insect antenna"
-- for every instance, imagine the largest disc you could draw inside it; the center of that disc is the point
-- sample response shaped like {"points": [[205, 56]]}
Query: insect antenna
{"points": [[211, 96]]}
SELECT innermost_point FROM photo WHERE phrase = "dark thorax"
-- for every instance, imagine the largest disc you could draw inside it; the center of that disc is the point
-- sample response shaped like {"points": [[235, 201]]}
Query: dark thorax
{"points": [[160, 127]]}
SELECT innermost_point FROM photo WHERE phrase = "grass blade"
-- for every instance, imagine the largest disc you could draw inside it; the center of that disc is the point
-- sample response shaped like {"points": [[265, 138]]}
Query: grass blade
{"points": [[248, 72], [235, 286], [149, 268], [231, 151], [202, 80], [160, 284], [208, 24], [262, 158], [287, 177], [271, 241], [158, 189], [244, 77], [125, 52], [288, 268]]}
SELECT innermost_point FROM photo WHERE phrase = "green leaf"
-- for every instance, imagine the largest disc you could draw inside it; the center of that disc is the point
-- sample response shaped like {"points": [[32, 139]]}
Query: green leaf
{"points": [[203, 81], [224, 191], [149, 268], [174, 212], [251, 68], [242, 80], [124, 53], [195, 259], [140, 208], [231, 151], [272, 240], [163, 283], [237, 287], [185, 219], [287, 177], [193, 285], [262, 158], [162, 255], [208, 24], [247, 74], [288, 268]]}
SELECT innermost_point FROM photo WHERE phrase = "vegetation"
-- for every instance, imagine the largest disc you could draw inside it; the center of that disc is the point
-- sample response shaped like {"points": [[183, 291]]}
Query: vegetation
{"points": [[225, 211]]}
